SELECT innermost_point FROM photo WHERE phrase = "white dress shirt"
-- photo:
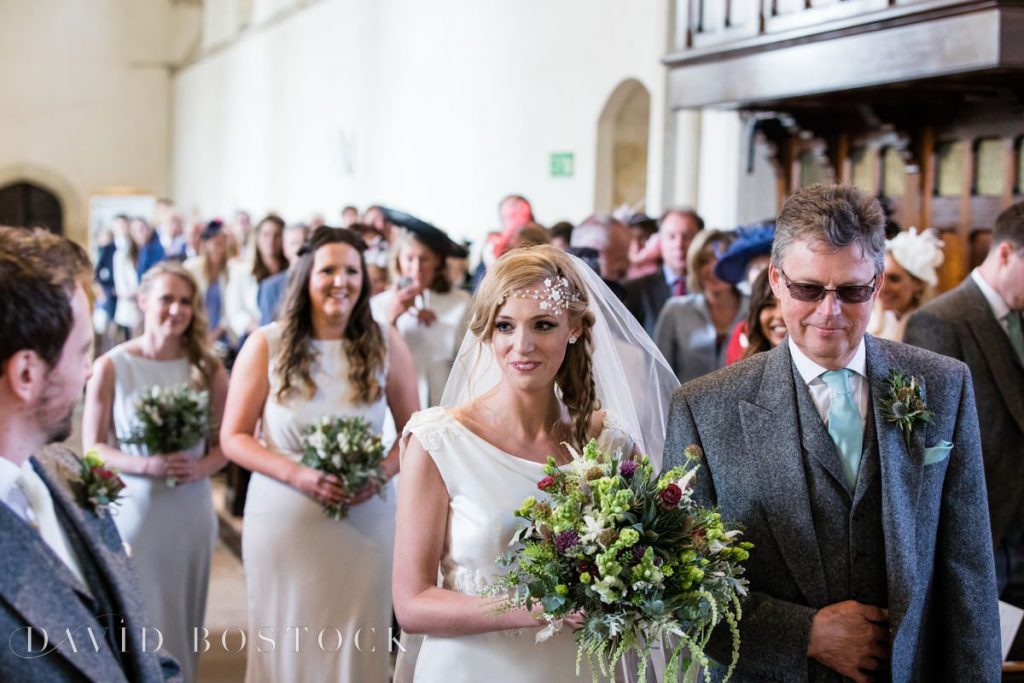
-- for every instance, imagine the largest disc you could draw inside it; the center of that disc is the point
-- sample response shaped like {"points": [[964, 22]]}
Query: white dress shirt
{"points": [[811, 373]]}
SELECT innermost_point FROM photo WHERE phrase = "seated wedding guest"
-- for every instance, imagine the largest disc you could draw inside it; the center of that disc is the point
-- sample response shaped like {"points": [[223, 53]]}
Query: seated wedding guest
{"points": [[692, 330], [210, 271], [244, 276], [911, 260], [325, 356], [766, 327], [63, 563], [430, 315], [646, 296], [745, 258], [167, 495], [271, 290]]}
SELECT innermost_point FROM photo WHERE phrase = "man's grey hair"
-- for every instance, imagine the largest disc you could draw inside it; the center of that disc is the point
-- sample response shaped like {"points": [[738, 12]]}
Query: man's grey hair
{"points": [[593, 232], [835, 216]]}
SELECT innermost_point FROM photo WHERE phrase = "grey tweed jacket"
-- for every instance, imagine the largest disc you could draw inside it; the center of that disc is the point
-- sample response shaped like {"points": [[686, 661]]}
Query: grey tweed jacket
{"points": [[38, 590], [941, 587], [960, 324]]}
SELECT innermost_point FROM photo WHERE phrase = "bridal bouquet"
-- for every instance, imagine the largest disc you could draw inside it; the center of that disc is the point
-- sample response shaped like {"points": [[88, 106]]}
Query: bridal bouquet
{"points": [[171, 419], [631, 551], [347, 448]]}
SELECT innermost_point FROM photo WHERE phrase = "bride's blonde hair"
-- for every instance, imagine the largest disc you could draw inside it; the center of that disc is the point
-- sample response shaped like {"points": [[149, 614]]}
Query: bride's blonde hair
{"points": [[528, 268]]}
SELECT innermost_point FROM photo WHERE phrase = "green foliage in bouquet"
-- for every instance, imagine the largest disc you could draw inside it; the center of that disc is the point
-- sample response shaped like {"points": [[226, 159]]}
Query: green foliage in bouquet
{"points": [[347, 448], [102, 485], [171, 419], [634, 553]]}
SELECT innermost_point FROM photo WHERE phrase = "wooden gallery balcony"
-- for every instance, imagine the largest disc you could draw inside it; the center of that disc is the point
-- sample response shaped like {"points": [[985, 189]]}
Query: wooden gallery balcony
{"points": [[918, 101]]}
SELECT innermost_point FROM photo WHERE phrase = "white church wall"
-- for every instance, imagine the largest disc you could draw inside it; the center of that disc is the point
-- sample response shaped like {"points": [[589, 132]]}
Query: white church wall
{"points": [[86, 92], [440, 108]]}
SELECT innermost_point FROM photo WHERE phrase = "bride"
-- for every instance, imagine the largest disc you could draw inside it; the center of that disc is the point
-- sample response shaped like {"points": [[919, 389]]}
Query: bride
{"points": [[551, 358]]}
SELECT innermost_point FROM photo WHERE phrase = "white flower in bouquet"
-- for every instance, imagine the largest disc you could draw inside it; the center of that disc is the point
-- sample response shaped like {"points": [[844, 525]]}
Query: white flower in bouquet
{"points": [[346, 448], [170, 419]]}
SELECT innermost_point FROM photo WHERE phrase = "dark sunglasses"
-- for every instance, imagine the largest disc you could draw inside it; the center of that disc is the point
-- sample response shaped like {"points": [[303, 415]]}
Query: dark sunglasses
{"points": [[848, 294]]}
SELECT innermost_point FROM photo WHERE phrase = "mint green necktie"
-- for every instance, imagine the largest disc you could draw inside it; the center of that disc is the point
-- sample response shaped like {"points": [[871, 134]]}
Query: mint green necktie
{"points": [[1016, 334], [844, 423]]}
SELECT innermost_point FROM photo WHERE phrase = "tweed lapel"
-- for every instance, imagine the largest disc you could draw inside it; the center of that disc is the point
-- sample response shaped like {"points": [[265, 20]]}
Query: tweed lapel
{"points": [[901, 482], [814, 436], [37, 585], [995, 345], [869, 459], [109, 569], [787, 504]]}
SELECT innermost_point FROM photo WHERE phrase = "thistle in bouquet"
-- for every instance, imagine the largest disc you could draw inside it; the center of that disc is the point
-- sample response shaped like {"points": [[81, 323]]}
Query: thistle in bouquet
{"points": [[347, 448], [631, 551], [171, 419]]}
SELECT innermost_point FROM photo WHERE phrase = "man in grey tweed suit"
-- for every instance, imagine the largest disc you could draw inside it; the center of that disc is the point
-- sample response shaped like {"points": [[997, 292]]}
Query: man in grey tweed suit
{"points": [[871, 558], [980, 323], [68, 601]]}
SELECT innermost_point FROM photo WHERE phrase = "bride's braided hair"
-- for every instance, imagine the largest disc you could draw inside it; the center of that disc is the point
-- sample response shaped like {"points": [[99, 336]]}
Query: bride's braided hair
{"points": [[527, 269]]}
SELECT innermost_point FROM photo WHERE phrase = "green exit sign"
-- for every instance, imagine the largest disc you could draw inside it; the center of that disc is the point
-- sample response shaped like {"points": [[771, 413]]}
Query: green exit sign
{"points": [[561, 164]]}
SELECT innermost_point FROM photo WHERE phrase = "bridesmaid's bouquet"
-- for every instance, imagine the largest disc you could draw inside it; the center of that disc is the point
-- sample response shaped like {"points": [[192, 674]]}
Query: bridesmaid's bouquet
{"points": [[171, 419], [634, 553], [347, 448]]}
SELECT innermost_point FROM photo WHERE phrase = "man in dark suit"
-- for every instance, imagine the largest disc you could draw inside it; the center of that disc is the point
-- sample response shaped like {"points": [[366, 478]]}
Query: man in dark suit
{"points": [[871, 559], [979, 323], [646, 296], [69, 609]]}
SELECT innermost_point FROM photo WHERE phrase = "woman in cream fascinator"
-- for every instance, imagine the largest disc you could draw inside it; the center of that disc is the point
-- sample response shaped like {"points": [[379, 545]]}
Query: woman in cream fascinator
{"points": [[911, 262]]}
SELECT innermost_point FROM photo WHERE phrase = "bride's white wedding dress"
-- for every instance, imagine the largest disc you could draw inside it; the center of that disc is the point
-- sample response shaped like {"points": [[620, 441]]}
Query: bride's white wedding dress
{"points": [[485, 486]]}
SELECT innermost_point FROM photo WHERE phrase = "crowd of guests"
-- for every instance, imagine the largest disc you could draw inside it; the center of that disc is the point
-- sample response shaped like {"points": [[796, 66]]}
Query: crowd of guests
{"points": [[282, 323]]}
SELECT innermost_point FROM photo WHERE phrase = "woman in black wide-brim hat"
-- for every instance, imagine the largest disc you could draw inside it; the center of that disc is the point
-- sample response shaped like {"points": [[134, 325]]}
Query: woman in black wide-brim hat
{"points": [[421, 304]]}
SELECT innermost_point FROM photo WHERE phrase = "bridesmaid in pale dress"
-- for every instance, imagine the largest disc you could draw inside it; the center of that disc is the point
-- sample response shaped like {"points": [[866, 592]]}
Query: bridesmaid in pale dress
{"points": [[318, 588], [171, 530]]}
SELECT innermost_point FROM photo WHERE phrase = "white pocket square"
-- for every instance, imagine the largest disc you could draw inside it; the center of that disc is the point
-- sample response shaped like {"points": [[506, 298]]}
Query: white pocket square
{"points": [[937, 453]]}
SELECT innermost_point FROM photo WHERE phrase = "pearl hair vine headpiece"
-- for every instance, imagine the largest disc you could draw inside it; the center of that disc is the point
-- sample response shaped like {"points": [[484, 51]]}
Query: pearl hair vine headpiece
{"points": [[556, 296]]}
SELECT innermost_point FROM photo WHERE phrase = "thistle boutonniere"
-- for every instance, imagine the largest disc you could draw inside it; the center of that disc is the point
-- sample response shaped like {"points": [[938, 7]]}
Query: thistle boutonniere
{"points": [[102, 484], [904, 404]]}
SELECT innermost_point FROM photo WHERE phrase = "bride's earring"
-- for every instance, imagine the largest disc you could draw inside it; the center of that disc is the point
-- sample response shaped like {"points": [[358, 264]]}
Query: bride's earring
{"points": [[572, 339]]}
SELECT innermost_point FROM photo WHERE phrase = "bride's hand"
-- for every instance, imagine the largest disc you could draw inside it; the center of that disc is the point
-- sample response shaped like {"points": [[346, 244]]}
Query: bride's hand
{"points": [[322, 487]]}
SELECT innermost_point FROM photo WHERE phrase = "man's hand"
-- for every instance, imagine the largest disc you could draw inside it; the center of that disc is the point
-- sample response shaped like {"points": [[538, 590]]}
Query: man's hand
{"points": [[851, 639]]}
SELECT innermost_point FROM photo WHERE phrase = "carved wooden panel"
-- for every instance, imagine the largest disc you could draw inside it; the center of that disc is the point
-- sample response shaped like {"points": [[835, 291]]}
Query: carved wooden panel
{"points": [[784, 15], [713, 22]]}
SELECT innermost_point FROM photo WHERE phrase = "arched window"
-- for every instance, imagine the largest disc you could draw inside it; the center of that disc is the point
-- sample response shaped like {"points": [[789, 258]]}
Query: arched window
{"points": [[27, 205]]}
